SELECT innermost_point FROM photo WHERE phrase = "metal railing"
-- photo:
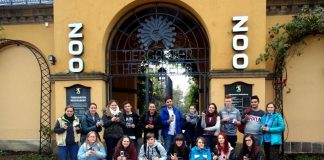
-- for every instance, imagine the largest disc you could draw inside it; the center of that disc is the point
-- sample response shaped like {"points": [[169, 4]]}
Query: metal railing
{"points": [[24, 2]]}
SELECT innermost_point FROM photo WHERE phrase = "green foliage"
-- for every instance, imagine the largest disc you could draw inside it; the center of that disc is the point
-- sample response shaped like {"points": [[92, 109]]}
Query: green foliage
{"points": [[283, 36], [33, 157], [192, 96]]}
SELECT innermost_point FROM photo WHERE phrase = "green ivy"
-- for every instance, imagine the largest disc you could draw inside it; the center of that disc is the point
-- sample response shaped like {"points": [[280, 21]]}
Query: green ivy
{"points": [[283, 37]]}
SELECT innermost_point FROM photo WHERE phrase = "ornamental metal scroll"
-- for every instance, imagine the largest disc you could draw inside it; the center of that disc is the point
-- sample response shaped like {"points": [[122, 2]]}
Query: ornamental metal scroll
{"points": [[158, 37]]}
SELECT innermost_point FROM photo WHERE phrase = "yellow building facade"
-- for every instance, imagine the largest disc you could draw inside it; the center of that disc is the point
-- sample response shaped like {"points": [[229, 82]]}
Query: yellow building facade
{"points": [[86, 40]]}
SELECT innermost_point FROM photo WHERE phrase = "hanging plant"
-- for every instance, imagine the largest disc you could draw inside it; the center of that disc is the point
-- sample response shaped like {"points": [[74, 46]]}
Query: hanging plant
{"points": [[282, 38]]}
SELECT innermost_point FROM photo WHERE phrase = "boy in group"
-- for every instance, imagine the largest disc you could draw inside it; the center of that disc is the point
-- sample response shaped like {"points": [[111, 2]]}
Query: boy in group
{"points": [[172, 121], [230, 119], [152, 150], [252, 119]]}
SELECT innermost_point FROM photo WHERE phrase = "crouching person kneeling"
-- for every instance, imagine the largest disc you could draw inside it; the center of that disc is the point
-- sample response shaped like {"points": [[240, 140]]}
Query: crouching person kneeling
{"points": [[152, 150]]}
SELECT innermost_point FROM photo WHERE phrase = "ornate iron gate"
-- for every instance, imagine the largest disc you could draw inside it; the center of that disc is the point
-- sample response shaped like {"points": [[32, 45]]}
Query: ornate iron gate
{"points": [[159, 40], [45, 100]]}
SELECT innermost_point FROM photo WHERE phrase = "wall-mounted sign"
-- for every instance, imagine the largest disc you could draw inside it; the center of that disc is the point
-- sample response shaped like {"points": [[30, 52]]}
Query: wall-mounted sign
{"points": [[241, 93], [240, 42], [76, 47], [79, 97]]}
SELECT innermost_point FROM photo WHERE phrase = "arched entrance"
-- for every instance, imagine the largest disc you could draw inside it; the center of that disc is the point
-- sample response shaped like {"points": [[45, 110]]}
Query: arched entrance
{"points": [[156, 41], [45, 95]]}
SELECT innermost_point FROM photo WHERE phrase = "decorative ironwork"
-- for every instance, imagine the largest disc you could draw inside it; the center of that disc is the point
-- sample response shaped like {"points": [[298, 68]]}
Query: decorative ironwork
{"points": [[159, 37], [45, 100], [155, 30]]}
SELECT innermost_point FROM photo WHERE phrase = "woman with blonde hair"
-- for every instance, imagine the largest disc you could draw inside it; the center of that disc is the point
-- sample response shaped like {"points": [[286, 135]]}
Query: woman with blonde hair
{"points": [[113, 123], [92, 149]]}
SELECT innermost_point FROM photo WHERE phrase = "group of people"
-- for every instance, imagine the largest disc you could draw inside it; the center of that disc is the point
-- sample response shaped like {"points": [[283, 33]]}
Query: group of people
{"points": [[211, 135]]}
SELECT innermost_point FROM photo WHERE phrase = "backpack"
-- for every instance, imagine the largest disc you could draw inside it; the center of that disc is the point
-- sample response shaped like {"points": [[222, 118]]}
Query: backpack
{"points": [[156, 149]]}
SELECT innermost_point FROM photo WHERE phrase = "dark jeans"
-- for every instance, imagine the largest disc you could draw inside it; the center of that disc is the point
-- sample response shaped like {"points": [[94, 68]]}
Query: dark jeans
{"points": [[71, 150], [111, 143], [168, 141], [210, 141], [232, 140], [271, 151]]}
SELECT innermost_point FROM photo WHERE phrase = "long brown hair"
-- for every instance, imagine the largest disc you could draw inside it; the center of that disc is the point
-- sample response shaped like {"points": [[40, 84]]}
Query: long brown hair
{"points": [[179, 137], [254, 149], [120, 146]]}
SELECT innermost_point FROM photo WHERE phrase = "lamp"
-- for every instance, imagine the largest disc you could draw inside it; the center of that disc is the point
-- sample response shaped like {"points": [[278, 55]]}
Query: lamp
{"points": [[51, 59]]}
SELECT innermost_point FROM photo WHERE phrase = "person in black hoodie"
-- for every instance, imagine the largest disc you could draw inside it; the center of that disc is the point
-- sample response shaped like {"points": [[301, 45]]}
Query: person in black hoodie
{"points": [[151, 121], [131, 122]]}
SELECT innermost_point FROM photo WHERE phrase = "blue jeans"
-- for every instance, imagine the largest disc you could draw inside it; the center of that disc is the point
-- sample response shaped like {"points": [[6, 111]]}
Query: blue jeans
{"points": [[71, 150], [168, 141]]}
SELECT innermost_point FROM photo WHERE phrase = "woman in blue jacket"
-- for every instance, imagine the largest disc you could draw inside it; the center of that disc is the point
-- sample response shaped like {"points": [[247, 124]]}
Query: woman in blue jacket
{"points": [[90, 122], [272, 127], [200, 152]]}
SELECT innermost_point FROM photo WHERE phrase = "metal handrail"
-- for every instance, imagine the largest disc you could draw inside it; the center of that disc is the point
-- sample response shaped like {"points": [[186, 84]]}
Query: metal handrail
{"points": [[24, 2]]}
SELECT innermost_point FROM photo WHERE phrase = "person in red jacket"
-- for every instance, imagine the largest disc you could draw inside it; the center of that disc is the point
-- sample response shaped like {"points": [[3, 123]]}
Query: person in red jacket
{"points": [[125, 149]]}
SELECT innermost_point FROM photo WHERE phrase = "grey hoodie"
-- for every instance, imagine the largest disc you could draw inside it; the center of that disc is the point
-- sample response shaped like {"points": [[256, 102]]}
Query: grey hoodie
{"points": [[151, 151]]}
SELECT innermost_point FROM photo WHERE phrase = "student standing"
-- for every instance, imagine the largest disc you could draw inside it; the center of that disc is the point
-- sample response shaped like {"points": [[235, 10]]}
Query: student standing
{"points": [[113, 123], [90, 121], [172, 121], [230, 119], [67, 129], [272, 127], [252, 119]]}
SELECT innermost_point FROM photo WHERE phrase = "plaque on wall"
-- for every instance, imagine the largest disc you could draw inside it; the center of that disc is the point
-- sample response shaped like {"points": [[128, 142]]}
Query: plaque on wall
{"points": [[79, 97], [241, 93]]}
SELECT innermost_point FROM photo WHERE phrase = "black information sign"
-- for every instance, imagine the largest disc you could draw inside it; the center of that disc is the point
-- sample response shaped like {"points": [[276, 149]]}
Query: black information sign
{"points": [[241, 93], [79, 97]]}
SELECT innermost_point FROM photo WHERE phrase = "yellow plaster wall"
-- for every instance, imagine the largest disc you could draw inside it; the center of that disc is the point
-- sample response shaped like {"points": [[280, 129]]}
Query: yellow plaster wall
{"points": [[217, 92], [39, 35], [97, 93], [99, 18], [303, 105], [19, 94]]}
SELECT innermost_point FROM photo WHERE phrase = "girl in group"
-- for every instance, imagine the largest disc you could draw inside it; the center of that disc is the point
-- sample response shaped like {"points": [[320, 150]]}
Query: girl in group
{"points": [[125, 149], [92, 149], [90, 121], [113, 123], [200, 152], [191, 132], [179, 150], [272, 127], [210, 123], [250, 149], [131, 122], [151, 122], [67, 129], [223, 149]]}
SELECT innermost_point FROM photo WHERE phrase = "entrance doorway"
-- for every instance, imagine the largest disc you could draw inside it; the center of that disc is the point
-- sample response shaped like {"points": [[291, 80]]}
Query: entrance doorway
{"points": [[151, 50]]}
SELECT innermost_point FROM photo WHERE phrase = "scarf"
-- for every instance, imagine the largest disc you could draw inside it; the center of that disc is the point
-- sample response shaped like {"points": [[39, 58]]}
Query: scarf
{"points": [[113, 113], [210, 119], [70, 119]]}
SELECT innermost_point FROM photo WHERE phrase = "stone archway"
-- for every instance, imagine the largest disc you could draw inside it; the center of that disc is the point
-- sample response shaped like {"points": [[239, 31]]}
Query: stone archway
{"points": [[156, 35]]}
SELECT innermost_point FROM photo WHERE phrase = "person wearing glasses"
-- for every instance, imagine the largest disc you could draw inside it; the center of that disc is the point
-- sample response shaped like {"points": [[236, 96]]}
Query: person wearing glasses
{"points": [[250, 149]]}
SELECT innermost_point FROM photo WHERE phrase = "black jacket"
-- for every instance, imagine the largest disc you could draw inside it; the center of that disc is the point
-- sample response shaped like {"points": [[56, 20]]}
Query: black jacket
{"points": [[155, 120]]}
